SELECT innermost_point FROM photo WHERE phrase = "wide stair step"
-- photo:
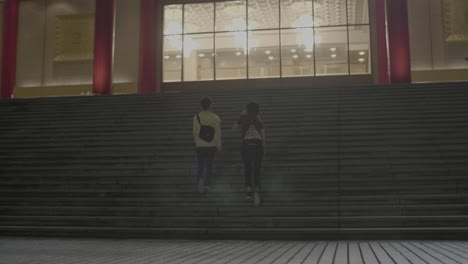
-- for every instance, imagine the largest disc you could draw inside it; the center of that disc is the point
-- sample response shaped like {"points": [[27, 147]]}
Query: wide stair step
{"points": [[369, 162]]}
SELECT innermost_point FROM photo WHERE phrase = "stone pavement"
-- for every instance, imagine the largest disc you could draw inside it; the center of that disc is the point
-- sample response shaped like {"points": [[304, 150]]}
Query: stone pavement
{"points": [[89, 251]]}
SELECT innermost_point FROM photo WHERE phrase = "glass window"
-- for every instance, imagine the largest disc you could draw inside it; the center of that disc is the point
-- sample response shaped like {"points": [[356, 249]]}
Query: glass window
{"points": [[172, 19], [241, 39], [297, 52], [264, 54], [231, 16], [172, 59], [198, 18], [263, 14], [358, 12], [296, 13], [330, 12], [331, 49], [198, 57], [359, 49], [231, 51]]}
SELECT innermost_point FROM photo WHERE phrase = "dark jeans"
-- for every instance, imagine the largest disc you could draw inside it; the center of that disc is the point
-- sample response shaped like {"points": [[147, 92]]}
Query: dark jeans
{"points": [[252, 157], [205, 157]]}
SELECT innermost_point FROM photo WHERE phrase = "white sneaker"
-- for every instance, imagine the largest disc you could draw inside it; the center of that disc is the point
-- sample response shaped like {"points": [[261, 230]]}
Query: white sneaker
{"points": [[257, 199]]}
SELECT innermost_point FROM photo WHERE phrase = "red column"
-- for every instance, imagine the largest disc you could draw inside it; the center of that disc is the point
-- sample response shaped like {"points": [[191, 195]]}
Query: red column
{"points": [[398, 40], [104, 46], [381, 24], [10, 40], [149, 45]]}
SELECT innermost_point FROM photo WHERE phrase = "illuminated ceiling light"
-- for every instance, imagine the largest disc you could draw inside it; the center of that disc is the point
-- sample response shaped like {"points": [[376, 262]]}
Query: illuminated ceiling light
{"points": [[332, 49], [271, 58], [362, 60], [362, 53], [308, 50], [238, 53], [333, 55], [295, 56], [178, 56], [308, 56], [201, 55], [293, 50], [268, 52], [212, 54], [166, 57]]}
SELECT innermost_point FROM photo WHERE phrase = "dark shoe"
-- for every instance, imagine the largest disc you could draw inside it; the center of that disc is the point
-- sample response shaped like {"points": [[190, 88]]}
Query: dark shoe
{"points": [[248, 194], [201, 186]]}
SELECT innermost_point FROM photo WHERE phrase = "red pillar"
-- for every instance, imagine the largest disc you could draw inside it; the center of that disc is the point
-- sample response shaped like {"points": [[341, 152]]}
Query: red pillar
{"points": [[149, 45], [104, 46], [398, 40], [381, 24], [10, 41]]}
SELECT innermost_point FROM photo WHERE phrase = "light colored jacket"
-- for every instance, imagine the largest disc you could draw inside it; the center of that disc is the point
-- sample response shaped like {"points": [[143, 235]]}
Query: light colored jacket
{"points": [[207, 118]]}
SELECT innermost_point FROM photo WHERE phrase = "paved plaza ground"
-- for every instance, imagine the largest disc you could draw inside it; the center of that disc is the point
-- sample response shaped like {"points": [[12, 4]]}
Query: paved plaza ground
{"points": [[88, 251]]}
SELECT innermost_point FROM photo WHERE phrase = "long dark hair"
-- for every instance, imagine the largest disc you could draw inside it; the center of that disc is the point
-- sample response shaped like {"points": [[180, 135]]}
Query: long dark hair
{"points": [[253, 108]]}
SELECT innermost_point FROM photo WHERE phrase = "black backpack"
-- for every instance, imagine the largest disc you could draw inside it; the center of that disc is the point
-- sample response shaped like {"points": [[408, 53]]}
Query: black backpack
{"points": [[206, 132]]}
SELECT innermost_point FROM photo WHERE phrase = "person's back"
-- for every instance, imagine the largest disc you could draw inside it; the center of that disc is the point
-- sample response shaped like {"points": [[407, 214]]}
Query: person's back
{"points": [[207, 137], [207, 118], [252, 149]]}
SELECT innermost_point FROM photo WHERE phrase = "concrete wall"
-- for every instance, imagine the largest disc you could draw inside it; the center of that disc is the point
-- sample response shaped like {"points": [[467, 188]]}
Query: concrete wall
{"points": [[1, 39], [127, 42], [36, 66], [36, 45], [429, 50]]}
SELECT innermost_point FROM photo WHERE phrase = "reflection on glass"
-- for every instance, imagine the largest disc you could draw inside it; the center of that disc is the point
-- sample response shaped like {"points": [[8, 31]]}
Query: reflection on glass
{"points": [[172, 19], [172, 59], [359, 49], [264, 54], [330, 12], [231, 16], [296, 13], [231, 51], [331, 51], [198, 57], [198, 18], [358, 12], [263, 14], [297, 52]]}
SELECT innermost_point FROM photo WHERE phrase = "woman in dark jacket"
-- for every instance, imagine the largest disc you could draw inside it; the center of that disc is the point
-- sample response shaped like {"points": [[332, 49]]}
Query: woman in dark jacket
{"points": [[252, 149]]}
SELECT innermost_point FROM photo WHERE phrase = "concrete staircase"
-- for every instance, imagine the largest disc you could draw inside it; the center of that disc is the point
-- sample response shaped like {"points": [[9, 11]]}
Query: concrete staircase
{"points": [[342, 163]]}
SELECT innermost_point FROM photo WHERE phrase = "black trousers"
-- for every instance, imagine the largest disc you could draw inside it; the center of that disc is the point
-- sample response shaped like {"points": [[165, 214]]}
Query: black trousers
{"points": [[252, 157], [205, 157]]}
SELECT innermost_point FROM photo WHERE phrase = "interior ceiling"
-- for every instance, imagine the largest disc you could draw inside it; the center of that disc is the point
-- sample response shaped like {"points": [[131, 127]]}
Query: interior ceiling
{"points": [[328, 12]]}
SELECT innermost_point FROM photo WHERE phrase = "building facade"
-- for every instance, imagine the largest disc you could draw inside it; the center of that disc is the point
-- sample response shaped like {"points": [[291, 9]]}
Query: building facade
{"points": [[67, 47]]}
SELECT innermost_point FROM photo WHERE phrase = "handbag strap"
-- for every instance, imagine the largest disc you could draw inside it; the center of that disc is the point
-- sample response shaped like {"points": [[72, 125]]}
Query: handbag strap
{"points": [[198, 118]]}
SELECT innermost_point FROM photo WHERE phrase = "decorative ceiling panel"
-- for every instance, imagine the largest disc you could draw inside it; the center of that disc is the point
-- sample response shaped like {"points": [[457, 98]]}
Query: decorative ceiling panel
{"points": [[296, 13], [231, 16], [330, 12], [263, 14], [199, 18], [358, 12], [173, 19]]}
